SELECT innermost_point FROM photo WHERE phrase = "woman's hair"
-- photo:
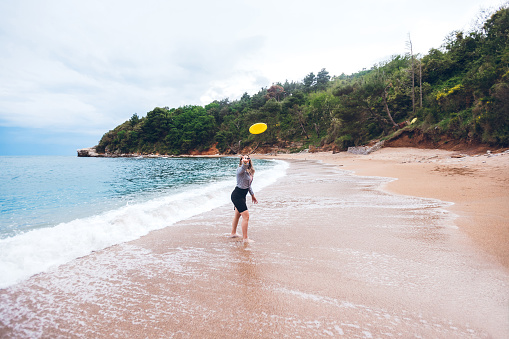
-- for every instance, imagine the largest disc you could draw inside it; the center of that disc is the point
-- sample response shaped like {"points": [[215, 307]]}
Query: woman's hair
{"points": [[250, 167]]}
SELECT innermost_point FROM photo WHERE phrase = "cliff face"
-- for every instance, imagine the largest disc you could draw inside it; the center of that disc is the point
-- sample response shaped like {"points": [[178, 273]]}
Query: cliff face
{"points": [[211, 151]]}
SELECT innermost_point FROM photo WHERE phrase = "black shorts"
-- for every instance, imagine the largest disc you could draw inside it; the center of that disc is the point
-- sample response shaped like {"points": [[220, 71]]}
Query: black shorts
{"points": [[239, 199]]}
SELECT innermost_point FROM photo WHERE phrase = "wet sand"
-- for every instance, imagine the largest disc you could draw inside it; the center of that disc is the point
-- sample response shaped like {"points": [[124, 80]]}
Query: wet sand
{"points": [[477, 184], [334, 256]]}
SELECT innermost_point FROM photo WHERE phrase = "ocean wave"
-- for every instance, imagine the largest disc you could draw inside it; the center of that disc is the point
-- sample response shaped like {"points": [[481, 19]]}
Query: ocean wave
{"points": [[38, 250]]}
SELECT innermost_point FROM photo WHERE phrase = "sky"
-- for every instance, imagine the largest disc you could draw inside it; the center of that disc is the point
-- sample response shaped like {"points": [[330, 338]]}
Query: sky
{"points": [[73, 70]]}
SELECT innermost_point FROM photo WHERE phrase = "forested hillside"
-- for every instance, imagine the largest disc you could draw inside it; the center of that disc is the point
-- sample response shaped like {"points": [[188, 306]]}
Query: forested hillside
{"points": [[459, 91]]}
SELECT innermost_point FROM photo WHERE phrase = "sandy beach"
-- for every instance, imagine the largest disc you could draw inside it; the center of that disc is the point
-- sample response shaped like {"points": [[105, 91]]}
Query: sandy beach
{"points": [[336, 254], [477, 184]]}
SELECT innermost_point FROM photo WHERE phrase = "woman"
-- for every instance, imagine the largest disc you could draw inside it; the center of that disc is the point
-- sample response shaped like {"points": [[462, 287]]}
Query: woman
{"points": [[245, 173]]}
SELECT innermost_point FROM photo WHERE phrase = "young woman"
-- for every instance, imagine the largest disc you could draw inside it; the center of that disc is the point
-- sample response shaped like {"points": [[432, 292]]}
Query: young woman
{"points": [[245, 173]]}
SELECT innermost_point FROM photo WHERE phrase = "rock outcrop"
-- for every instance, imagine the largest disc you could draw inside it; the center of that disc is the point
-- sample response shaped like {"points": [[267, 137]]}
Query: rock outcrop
{"points": [[365, 150], [88, 152]]}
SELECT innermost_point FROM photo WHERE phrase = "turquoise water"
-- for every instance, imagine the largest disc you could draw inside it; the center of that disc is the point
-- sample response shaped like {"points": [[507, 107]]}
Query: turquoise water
{"points": [[54, 209], [44, 191]]}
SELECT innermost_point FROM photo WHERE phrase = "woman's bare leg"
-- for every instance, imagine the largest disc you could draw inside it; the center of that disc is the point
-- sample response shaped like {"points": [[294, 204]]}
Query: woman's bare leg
{"points": [[235, 222], [245, 222]]}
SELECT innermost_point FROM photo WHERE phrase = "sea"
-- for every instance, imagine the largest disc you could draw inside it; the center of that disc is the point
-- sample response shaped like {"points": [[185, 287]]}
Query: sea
{"points": [[54, 209]]}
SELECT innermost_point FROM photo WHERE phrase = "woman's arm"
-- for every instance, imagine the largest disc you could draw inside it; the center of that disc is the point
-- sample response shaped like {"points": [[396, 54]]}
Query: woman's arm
{"points": [[243, 168]]}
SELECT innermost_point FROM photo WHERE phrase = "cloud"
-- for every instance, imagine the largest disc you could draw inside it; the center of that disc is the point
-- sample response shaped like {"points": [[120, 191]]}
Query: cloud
{"points": [[93, 64]]}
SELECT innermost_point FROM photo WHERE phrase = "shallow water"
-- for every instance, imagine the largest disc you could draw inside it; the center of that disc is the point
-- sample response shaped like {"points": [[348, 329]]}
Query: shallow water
{"points": [[334, 256], [56, 209]]}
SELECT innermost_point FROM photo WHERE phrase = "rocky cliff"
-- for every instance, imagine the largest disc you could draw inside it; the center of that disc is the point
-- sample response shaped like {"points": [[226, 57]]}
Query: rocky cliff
{"points": [[88, 152]]}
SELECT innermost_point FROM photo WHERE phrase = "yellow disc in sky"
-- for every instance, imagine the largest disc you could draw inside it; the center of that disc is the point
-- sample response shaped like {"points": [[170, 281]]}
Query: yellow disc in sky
{"points": [[258, 128]]}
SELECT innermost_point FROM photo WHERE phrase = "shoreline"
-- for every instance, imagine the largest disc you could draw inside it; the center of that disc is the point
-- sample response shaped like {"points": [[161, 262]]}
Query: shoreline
{"points": [[477, 185]]}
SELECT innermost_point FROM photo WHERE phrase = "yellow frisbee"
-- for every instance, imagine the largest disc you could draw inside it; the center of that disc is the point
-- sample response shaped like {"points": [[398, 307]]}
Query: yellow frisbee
{"points": [[258, 128]]}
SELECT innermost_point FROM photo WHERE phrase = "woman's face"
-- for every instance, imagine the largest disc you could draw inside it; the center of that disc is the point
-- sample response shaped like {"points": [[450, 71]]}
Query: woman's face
{"points": [[246, 159]]}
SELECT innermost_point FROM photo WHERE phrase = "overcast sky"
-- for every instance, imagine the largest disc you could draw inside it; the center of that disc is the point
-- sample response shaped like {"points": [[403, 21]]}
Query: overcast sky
{"points": [[72, 70]]}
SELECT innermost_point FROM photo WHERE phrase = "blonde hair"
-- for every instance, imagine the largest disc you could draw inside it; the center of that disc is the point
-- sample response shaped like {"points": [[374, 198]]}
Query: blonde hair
{"points": [[250, 167]]}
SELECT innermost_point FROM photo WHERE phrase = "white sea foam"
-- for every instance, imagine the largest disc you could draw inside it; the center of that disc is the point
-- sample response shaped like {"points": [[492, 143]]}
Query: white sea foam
{"points": [[38, 250]]}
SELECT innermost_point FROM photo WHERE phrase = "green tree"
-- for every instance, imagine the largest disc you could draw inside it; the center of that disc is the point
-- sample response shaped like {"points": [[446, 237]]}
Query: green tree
{"points": [[309, 82], [322, 106], [135, 119], [322, 80], [191, 128], [156, 125]]}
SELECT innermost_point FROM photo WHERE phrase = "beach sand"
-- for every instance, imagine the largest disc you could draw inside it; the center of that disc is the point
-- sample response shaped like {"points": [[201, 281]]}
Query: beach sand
{"points": [[477, 184], [335, 256]]}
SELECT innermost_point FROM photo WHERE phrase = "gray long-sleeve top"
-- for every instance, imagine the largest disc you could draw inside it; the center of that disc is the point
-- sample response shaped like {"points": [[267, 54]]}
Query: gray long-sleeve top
{"points": [[244, 180]]}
